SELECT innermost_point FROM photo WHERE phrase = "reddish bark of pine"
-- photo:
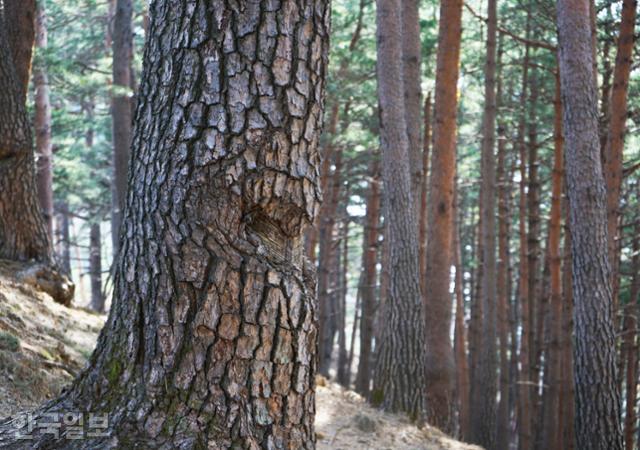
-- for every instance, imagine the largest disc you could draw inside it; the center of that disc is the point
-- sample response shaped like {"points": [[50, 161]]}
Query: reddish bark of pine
{"points": [[439, 351], [613, 151]]}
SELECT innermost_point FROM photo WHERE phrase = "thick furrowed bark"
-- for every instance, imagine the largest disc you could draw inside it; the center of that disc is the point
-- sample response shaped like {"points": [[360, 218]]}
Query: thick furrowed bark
{"points": [[20, 22], [211, 340], [399, 380], [597, 394], [23, 234]]}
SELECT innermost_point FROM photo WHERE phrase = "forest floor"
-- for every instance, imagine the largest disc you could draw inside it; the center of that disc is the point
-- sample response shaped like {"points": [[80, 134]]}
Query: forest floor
{"points": [[44, 344]]}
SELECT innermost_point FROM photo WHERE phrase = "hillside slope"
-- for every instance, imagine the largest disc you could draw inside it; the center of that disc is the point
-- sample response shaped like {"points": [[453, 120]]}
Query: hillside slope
{"points": [[44, 344]]}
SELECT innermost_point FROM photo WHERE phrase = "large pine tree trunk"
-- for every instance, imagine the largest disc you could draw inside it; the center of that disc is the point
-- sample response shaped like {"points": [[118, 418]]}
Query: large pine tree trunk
{"points": [[20, 23], [43, 124], [439, 351], [121, 111], [23, 234], [399, 381], [211, 340], [368, 280], [597, 394], [483, 405]]}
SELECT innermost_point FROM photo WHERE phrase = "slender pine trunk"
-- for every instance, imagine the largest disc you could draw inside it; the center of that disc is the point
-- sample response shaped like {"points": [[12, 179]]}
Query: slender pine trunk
{"points": [[42, 125], [438, 300], [121, 111], [95, 267], [368, 280]]}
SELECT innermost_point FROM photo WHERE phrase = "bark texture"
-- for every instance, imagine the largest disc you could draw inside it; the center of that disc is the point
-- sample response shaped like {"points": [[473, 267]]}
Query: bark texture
{"points": [[325, 178], [20, 16], [23, 234], [597, 394], [211, 340], [412, 77], [438, 299], [399, 381]]}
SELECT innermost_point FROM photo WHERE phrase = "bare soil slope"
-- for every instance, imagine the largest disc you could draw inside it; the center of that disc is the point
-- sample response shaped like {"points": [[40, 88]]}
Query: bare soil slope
{"points": [[44, 344]]}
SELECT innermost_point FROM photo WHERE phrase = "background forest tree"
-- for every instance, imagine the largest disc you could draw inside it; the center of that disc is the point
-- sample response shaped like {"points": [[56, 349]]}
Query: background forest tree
{"points": [[486, 197]]}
